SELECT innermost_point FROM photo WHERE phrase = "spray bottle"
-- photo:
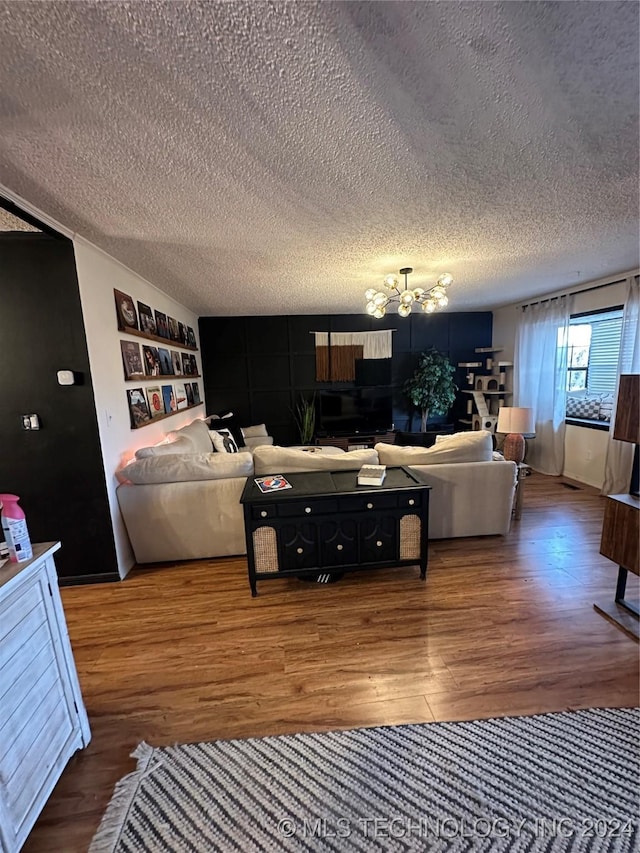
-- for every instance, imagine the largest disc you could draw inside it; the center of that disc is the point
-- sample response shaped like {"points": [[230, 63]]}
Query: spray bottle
{"points": [[15, 530]]}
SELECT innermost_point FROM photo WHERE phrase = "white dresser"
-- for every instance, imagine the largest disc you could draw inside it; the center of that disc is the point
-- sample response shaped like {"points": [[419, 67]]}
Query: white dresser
{"points": [[43, 720]]}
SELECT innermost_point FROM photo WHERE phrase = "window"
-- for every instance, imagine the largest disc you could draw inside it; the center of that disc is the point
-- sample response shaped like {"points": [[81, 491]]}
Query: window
{"points": [[593, 348]]}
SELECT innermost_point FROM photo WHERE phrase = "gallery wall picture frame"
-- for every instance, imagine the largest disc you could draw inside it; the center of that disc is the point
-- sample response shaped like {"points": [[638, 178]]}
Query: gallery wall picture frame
{"points": [[146, 319], [169, 399], [177, 362], [191, 338], [181, 396], [125, 311], [151, 360], [196, 394], [186, 364], [173, 329], [138, 407], [131, 360], [166, 365], [162, 329], [155, 401], [189, 390]]}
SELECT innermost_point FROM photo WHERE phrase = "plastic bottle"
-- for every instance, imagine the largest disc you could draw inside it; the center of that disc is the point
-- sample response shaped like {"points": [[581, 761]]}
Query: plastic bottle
{"points": [[15, 530]]}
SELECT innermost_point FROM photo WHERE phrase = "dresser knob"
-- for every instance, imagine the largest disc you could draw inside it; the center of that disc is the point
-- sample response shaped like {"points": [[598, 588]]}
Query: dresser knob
{"points": [[411, 501], [307, 509], [299, 550], [340, 547], [263, 514], [379, 544], [369, 506]]}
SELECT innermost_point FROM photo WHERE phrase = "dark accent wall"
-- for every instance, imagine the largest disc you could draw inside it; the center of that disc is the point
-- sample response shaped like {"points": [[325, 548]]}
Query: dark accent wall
{"points": [[57, 470], [258, 366]]}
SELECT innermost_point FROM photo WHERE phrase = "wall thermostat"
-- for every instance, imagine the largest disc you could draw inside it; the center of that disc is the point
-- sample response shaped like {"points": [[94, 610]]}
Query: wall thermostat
{"points": [[66, 377]]}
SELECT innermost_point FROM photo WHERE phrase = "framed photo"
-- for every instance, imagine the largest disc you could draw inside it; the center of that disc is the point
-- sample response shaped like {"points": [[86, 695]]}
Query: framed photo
{"points": [[138, 408], [194, 365], [125, 311], [162, 328], [182, 333], [131, 360], [186, 363], [177, 362], [166, 365], [156, 403], [191, 337], [174, 335], [169, 399], [196, 394], [147, 321], [151, 361], [181, 396], [189, 391]]}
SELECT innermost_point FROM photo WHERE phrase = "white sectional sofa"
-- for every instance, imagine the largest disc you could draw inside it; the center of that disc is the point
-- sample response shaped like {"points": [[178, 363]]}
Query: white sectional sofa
{"points": [[180, 501]]}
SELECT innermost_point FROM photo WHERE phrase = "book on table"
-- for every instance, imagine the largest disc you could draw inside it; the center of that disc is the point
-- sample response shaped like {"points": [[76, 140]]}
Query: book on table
{"points": [[372, 475]]}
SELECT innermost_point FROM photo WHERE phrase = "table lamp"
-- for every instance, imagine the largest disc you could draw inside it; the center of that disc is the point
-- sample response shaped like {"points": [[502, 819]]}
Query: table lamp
{"points": [[514, 421]]}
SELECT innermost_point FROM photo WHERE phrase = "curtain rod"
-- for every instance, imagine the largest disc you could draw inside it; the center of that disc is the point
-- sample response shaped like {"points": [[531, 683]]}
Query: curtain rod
{"points": [[575, 292], [366, 332]]}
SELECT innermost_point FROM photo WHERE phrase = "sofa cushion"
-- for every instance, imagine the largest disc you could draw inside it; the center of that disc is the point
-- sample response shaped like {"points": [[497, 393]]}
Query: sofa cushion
{"points": [[275, 460], [256, 441], [472, 446], [256, 431], [180, 445], [197, 432], [223, 440], [183, 467]]}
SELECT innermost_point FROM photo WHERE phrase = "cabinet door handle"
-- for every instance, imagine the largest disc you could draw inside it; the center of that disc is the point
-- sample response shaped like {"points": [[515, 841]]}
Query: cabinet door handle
{"points": [[369, 506], [379, 544], [263, 514], [307, 509], [340, 547], [411, 501], [299, 550]]}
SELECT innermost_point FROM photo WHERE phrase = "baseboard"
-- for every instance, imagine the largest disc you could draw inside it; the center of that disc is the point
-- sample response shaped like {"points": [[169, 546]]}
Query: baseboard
{"points": [[79, 580]]}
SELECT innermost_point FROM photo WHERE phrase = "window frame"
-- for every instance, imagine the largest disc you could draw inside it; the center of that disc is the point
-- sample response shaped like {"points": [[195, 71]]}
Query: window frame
{"points": [[586, 423]]}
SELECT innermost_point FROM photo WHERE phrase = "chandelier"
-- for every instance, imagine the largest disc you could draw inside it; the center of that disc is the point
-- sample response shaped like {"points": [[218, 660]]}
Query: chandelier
{"points": [[430, 300]]}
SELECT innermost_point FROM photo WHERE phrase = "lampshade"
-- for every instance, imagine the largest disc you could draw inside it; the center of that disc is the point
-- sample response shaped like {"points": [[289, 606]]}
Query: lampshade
{"points": [[515, 419]]}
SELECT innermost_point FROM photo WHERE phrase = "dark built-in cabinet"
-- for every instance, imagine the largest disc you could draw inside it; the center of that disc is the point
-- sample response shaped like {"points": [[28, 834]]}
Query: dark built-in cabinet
{"points": [[258, 367]]}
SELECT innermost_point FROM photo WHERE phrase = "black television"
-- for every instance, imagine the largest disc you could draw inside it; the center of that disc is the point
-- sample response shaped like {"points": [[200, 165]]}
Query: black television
{"points": [[355, 410]]}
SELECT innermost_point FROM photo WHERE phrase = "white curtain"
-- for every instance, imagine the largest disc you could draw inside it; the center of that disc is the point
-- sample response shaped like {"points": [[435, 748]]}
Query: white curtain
{"points": [[540, 379], [617, 468]]}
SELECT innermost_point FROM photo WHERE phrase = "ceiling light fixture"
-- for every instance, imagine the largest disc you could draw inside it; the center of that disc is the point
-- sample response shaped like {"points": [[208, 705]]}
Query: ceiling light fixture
{"points": [[430, 300]]}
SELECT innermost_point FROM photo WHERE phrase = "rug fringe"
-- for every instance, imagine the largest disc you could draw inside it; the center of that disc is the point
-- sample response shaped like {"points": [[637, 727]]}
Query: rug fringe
{"points": [[108, 833]]}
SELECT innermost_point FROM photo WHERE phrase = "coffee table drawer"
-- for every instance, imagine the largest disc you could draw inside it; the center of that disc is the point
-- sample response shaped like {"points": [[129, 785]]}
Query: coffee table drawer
{"points": [[263, 511], [310, 507], [364, 503], [410, 499]]}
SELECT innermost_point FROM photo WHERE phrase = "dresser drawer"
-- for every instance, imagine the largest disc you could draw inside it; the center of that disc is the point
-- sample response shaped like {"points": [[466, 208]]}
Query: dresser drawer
{"points": [[310, 507], [369, 502]]}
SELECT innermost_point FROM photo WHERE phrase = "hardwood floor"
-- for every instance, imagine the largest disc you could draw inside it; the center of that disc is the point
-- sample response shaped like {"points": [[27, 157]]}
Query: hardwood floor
{"points": [[502, 626]]}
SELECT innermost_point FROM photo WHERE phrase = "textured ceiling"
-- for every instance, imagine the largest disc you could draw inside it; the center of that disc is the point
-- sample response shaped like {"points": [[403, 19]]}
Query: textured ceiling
{"points": [[269, 157]]}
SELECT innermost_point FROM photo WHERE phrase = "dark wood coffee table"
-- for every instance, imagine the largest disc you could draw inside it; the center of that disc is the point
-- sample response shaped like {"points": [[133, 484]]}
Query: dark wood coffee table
{"points": [[327, 523]]}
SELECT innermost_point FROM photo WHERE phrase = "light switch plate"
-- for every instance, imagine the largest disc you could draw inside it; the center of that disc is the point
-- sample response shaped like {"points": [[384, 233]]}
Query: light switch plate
{"points": [[66, 377]]}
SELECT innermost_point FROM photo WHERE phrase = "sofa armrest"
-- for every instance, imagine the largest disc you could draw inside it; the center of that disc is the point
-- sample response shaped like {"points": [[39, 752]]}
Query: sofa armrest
{"points": [[469, 498]]}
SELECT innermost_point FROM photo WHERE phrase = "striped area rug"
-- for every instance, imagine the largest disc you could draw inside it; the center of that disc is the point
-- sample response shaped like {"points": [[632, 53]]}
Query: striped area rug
{"points": [[554, 782]]}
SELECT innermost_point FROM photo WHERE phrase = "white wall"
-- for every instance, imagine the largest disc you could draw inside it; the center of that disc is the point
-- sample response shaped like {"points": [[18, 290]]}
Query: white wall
{"points": [[98, 275], [585, 449]]}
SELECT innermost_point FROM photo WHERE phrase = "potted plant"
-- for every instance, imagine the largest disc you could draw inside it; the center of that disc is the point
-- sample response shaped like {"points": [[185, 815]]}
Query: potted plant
{"points": [[305, 417], [431, 388]]}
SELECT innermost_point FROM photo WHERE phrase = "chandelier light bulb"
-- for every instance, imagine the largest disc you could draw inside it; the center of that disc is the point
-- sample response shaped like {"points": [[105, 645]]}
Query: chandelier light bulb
{"points": [[430, 299]]}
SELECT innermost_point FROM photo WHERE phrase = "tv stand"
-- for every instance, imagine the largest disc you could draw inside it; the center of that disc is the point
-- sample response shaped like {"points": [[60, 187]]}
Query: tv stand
{"points": [[356, 440]]}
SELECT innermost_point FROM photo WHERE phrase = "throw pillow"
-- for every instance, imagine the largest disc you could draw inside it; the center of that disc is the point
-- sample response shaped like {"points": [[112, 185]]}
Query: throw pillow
{"points": [[223, 441], [228, 420], [256, 431]]}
